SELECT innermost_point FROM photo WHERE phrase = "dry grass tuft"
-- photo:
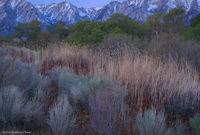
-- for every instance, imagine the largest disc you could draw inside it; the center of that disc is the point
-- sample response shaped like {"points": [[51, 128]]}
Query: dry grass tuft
{"points": [[150, 80]]}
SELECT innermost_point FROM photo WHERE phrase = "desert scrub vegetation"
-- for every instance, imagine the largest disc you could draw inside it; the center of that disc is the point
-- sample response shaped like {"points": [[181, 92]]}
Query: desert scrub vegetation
{"points": [[116, 89], [152, 123], [107, 108], [31, 100], [24, 76], [16, 111], [143, 75], [194, 122], [61, 120]]}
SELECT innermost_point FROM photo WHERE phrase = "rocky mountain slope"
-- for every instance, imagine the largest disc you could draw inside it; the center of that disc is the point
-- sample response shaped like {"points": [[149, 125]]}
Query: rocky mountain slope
{"points": [[15, 11]]}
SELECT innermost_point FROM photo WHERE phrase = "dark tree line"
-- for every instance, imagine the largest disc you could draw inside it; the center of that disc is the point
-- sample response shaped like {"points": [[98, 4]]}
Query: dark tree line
{"points": [[89, 32]]}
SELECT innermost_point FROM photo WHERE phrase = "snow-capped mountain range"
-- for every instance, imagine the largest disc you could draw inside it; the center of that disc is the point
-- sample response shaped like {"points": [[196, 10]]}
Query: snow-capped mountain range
{"points": [[15, 11]]}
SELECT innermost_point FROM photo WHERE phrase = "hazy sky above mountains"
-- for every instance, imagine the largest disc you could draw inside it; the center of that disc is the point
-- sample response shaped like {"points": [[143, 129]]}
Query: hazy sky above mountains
{"points": [[79, 3]]}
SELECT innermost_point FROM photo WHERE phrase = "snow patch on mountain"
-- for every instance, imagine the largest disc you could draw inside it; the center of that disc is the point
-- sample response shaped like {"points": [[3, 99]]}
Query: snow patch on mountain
{"points": [[171, 4], [14, 3], [2, 3], [98, 8], [15, 11], [82, 13], [137, 2], [198, 1], [152, 5]]}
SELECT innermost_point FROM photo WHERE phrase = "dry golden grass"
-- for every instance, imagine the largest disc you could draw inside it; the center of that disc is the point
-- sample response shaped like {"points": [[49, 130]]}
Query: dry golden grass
{"points": [[145, 76], [150, 81]]}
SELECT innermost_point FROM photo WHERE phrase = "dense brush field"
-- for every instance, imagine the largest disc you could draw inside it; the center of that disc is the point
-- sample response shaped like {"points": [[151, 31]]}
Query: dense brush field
{"points": [[107, 90], [118, 77]]}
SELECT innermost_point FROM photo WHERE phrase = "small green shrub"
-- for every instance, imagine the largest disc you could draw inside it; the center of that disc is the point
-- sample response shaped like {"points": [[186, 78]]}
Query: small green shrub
{"points": [[24, 76], [15, 110], [195, 124], [152, 123], [75, 87], [61, 120], [179, 128], [106, 105]]}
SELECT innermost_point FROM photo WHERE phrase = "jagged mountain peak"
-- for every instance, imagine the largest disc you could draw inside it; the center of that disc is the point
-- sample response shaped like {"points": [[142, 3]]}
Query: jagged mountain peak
{"points": [[2, 3], [138, 3], [63, 11], [15, 11], [15, 3]]}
